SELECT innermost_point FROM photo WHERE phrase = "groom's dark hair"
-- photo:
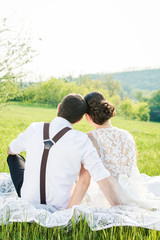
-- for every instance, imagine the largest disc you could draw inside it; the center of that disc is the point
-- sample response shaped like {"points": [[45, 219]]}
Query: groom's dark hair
{"points": [[72, 107]]}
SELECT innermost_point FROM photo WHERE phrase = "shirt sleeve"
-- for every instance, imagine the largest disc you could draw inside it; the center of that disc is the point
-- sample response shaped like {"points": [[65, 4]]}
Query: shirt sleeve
{"points": [[18, 145], [92, 162]]}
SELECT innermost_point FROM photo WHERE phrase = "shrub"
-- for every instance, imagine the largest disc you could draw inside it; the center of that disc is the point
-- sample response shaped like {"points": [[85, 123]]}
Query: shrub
{"points": [[127, 107], [154, 104], [141, 111]]}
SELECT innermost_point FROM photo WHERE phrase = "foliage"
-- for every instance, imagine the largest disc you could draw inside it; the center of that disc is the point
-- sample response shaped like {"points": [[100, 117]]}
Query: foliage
{"points": [[155, 99], [116, 101], [51, 92], [127, 107], [154, 104], [138, 95], [113, 87], [141, 111], [8, 90], [16, 52]]}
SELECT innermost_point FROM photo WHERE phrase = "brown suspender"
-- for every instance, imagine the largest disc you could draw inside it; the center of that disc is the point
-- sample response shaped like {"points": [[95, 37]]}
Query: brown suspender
{"points": [[47, 145]]}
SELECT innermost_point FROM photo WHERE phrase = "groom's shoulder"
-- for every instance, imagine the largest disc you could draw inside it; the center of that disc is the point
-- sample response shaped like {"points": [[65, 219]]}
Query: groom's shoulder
{"points": [[34, 126], [79, 134]]}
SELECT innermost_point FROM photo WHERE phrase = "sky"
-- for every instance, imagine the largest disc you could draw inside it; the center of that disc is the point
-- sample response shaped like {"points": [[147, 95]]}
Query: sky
{"points": [[88, 36]]}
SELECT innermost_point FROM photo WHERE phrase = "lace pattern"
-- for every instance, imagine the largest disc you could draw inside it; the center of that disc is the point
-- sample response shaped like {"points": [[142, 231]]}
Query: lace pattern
{"points": [[117, 150]]}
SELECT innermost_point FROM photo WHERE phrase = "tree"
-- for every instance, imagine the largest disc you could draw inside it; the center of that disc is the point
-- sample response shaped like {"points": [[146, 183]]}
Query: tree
{"points": [[116, 101], [155, 99], [127, 107], [138, 95], [141, 111], [16, 51], [154, 104], [113, 86]]}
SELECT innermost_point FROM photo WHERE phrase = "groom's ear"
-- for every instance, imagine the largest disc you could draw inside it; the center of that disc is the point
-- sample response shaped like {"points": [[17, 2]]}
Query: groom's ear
{"points": [[58, 107]]}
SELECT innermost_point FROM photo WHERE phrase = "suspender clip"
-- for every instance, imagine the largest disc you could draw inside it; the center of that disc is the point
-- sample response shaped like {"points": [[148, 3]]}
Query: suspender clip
{"points": [[48, 144]]}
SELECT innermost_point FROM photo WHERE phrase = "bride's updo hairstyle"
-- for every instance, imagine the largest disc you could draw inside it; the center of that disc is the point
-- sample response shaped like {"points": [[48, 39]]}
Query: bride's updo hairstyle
{"points": [[98, 108]]}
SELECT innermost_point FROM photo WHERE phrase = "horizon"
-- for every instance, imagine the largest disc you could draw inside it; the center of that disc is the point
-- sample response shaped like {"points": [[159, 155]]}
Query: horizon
{"points": [[38, 78]]}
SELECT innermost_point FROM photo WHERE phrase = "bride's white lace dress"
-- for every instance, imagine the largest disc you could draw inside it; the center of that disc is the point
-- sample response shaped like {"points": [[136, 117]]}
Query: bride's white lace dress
{"points": [[117, 150], [139, 192]]}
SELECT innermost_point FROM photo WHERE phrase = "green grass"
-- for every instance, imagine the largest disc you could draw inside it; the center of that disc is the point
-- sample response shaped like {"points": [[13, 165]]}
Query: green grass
{"points": [[15, 118], [79, 231]]}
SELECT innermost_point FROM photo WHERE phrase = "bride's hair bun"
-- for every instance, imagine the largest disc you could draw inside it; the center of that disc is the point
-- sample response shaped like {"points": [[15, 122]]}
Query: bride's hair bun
{"points": [[98, 108]]}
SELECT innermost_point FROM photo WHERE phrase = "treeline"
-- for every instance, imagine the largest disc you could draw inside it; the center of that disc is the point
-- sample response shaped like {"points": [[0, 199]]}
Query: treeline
{"points": [[52, 91]]}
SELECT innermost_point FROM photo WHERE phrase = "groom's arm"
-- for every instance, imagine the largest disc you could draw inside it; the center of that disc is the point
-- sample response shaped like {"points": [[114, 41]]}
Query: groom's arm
{"points": [[9, 152], [18, 145], [80, 188]]}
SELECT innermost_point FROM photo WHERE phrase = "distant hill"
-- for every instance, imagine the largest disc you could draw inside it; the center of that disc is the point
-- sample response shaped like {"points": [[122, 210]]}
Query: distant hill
{"points": [[148, 79]]}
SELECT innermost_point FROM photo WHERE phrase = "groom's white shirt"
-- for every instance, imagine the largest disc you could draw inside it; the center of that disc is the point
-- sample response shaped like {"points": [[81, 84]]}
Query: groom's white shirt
{"points": [[63, 165]]}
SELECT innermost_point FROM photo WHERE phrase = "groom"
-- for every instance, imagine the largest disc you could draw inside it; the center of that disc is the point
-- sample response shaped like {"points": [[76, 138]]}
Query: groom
{"points": [[66, 158]]}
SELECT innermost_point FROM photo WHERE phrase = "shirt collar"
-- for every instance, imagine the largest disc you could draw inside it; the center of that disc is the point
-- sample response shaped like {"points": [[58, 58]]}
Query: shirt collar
{"points": [[63, 121]]}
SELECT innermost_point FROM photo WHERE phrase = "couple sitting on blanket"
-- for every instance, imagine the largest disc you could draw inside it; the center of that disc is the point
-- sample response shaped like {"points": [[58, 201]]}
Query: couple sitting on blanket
{"points": [[56, 155]]}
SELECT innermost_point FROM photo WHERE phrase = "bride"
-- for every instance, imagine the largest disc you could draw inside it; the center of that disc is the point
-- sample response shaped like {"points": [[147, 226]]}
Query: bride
{"points": [[118, 151]]}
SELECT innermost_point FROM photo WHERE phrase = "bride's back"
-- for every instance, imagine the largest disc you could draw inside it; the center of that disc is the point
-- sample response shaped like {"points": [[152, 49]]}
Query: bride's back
{"points": [[116, 148]]}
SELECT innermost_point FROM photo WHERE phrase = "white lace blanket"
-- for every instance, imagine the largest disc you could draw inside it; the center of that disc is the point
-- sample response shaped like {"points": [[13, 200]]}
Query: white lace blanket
{"points": [[14, 209]]}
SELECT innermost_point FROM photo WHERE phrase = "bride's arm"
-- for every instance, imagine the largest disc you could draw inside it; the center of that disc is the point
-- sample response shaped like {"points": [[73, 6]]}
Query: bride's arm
{"points": [[108, 188], [80, 188]]}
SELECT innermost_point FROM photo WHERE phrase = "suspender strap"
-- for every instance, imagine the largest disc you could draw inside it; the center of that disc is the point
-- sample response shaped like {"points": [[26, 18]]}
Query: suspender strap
{"points": [[60, 134], [47, 145], [46, 131], [43, 176]]}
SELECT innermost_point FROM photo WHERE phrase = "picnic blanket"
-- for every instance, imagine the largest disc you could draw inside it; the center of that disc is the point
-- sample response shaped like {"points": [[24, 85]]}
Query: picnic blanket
{"points": [[15, 209]]}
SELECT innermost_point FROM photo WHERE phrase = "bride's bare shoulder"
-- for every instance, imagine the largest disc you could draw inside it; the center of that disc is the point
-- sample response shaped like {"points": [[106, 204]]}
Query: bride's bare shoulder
{"points": [[90, 135], [94, 142]]}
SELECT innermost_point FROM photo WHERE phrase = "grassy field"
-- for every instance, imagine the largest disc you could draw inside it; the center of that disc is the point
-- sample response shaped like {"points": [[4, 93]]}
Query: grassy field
{"points": [[15, 118]]}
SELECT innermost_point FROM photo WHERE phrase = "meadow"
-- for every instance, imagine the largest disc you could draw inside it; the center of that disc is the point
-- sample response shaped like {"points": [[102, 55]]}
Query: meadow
{"points": [[15, 118]]}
